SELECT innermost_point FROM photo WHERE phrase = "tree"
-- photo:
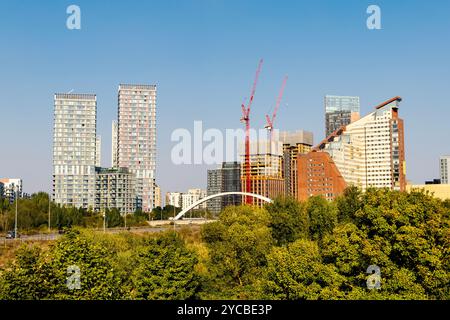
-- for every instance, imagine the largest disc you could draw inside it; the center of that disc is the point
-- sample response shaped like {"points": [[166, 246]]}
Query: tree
{"points": [[39, 275], [238, 244], [25, 278], [114, 218], [165, 270], [349, 203], [322, 217], [288, 220], [297, 272], [98, 279]]}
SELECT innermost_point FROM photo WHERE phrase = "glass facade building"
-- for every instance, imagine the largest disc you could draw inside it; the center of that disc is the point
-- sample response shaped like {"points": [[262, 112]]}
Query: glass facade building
{"points": [[340, 111], [227, 178]]}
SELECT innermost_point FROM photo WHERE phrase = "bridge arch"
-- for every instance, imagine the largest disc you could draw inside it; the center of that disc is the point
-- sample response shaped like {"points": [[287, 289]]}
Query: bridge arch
{"points": [[257, 196]]}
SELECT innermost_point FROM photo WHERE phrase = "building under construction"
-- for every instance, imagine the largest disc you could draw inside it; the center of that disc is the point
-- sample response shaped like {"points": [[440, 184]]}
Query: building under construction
{"points": [[294, 144], [266, 170]]}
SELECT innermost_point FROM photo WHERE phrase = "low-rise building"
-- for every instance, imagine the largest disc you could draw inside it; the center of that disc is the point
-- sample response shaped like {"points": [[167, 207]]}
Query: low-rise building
{"points": [[174, 199], [441, 191], [115, 188]]}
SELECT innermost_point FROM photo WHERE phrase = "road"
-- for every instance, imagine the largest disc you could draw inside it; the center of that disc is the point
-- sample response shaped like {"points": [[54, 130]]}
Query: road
{"points": [[152, 229]]}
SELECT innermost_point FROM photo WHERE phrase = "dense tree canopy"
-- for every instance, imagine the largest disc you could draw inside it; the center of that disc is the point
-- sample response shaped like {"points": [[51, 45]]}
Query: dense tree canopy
{"points": [[286, 250]]}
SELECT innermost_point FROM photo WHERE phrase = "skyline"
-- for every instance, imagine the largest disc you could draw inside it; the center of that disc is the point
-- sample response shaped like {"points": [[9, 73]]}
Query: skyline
{"points": [[196, 68]]}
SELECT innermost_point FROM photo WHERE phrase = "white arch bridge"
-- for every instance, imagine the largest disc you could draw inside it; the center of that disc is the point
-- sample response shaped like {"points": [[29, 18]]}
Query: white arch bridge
{"points": [[257, 196]]}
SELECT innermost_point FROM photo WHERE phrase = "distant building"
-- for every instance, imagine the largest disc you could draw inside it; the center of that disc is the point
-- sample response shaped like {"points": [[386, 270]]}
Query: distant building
{"points": [[98, 151], [115, 188], [191, 197], [266, 170], [294, 144], [74, 149], [174, 199], [370, 152], [137, 138], [11, 189], [227, 178], [231, 182], [158, 200], [318, 176], [340, 111], [441, 191], [444, 166], [185, 199], [214, 186]]}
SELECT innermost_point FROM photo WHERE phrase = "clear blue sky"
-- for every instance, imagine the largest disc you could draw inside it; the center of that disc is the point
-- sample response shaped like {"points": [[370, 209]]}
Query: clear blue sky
{"points": [[202, 54]]}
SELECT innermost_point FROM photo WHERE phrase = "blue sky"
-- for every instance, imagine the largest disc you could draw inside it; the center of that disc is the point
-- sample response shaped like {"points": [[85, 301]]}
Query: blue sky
{"points": [[202, 54]]}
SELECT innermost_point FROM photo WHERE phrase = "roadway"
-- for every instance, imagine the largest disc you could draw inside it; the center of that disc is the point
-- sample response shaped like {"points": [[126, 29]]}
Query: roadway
{"points": [[154, 227]]}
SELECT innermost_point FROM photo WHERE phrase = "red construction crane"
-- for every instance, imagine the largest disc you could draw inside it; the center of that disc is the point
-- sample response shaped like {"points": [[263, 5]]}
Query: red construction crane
{"points": [[270, 122], [246, 119]]}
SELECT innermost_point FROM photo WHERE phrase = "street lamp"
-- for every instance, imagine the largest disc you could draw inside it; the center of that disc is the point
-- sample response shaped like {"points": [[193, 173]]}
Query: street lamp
{"points": [[104, 221], [15, 220], [49, 210]]}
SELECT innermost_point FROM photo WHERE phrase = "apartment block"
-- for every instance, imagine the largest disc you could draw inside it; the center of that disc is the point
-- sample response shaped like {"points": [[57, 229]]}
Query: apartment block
{"points": [[214, 186], [370, 151], [98, 151], [114, 145], [174, 199], [136, 142], [318, 176], [115, 188], [158, 200], [191, 197], [74, 149], [294, 144], [444, 169], [10, 189]]}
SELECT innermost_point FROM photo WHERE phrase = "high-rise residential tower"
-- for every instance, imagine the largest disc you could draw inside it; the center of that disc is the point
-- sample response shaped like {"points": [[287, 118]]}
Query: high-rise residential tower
{"points": [[340, 111], [444, 166], [98, 151], [137, 138], [114, 144], [74, 149]]}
